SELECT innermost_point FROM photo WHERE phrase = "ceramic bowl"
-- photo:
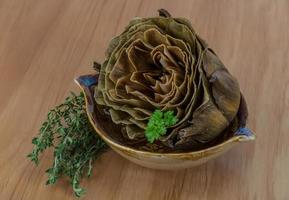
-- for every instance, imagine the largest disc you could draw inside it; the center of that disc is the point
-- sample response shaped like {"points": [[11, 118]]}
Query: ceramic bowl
{"points": [[156, 160]]}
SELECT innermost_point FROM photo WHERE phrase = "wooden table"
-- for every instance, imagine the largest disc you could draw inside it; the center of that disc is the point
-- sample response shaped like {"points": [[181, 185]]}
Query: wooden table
{"points": [[45, 44]]}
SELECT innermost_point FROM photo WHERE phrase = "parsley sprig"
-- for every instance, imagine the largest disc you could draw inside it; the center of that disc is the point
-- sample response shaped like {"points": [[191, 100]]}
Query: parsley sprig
{"points": [[158, 124], [76, 145]]}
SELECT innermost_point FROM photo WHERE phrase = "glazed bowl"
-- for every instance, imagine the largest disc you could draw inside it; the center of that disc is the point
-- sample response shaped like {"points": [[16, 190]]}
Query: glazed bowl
{"points": [[158, 160]]}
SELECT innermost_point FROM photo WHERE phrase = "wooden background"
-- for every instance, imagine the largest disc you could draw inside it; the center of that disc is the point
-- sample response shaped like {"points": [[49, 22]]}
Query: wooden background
{"points": [[45, 44]]}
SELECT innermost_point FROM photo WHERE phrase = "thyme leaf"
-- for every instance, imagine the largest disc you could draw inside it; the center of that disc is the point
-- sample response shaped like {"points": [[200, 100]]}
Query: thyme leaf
{"points": [[76, 145]]}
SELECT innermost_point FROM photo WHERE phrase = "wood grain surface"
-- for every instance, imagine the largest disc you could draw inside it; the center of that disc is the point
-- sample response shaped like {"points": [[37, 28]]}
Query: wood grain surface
{"points": [[45, 44]]}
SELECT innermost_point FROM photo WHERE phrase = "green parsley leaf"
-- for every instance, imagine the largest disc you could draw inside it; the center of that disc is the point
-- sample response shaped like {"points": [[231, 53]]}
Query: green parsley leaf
{"points": [[158, 124]]}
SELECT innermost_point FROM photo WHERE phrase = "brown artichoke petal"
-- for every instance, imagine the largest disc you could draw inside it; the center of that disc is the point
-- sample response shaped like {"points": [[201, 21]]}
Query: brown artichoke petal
{"points": [[158, 97], [162, 88], [175, 29], [206, 124], [125, 39], [169, 58], [121, 93], [212, 63], [108, 65], [122, 107], [135, 85], [116, 43], [176, 97], [171, 26], [123, 43], [123, 114], [175, 53], [176, 56], [111, 98], [166, 94], [194, 90], [178, 43], [191, 101], [168, 97], [98, 95], [104, 82], [139, 114], [185, 89], [165, 55], [142, 46], [140, 123], [130, 89], [183, 32], [225, 88], [140, 79], [193, 94], [186, 22], [122, 67], [134, 132], [129, 31], [120, 89], [180, 112], [182, 93], [147, 112], [188, 112], [149, 76], [154, 37], [140, 57], [178, 76], [151, 102], [226, 93], [119, 117]]}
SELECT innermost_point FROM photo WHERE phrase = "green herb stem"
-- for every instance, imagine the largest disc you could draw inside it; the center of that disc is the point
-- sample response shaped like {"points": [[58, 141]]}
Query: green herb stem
{"points": [[76, 145]]}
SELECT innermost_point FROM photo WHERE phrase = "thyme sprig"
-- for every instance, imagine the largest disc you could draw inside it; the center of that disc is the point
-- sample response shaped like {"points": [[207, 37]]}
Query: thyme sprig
{"points": [[76, 145]]}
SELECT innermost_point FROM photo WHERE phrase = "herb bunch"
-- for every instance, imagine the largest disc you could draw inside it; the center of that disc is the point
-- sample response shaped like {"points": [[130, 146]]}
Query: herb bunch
{"points": [[158, 124], [76, 145]]}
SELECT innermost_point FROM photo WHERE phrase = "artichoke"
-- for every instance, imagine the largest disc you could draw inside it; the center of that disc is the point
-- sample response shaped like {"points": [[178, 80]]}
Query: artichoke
{"points": [[161, 63]]}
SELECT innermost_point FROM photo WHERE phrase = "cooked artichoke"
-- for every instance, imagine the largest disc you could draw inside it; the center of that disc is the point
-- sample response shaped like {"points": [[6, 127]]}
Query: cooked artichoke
{"points": [[161, 63]]}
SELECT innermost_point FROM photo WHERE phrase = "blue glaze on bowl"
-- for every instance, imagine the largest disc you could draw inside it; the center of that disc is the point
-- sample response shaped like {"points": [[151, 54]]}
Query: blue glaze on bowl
{"points": [[244, 131], [87, 80]]}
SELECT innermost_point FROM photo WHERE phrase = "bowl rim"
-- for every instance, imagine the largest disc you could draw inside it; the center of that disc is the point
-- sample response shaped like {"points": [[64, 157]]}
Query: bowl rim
{"points": [[249, 136]]}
